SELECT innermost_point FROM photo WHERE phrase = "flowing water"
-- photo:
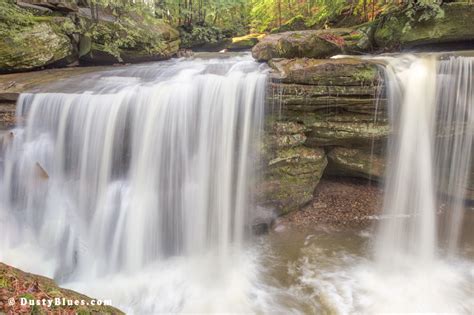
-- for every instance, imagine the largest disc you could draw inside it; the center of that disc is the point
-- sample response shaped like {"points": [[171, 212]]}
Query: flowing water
{"points": [[134, 185]]}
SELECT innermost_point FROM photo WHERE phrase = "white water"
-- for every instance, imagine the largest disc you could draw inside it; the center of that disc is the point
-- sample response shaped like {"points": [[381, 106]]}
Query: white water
{"points": [[138, 176]]}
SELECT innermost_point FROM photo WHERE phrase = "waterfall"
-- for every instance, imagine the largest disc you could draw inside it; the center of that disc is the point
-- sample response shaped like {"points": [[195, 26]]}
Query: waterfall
{"points": [[431, 104], [114, 171]]}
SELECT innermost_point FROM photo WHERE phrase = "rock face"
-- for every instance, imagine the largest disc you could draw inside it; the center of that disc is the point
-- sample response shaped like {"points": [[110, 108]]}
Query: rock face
{"points": [[310, 44], [29, 41], [56, 33], [324, 117], [35, 46], [455, 26], [291, 170]]}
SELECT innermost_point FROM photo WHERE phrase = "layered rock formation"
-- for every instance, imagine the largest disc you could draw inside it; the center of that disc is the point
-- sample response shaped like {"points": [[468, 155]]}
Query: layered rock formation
{"points": [[324, 117]]}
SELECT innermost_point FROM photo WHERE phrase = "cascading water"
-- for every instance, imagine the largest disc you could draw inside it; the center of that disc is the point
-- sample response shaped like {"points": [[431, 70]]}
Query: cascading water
{"points": [[130, 167], [432, 109]]}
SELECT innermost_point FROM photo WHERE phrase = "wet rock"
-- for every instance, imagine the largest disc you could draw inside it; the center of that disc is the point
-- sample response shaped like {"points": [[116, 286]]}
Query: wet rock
{"points": [[309, 44], [184, 53], [455, 26], [356, 163], [262, 219]]}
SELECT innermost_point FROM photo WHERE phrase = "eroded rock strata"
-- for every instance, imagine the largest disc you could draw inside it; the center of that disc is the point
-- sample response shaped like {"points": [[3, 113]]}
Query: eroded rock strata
{"points": [[323, 117]]}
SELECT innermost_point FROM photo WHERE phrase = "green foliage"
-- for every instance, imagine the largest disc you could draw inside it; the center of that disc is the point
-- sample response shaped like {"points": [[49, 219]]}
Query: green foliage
{"points": [[422, 10], [200, 35], [13, 18]]}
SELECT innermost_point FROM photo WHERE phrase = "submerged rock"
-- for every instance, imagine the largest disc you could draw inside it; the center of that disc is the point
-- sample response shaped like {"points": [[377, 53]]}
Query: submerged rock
{"points": [[396, 31], [310, 44]]}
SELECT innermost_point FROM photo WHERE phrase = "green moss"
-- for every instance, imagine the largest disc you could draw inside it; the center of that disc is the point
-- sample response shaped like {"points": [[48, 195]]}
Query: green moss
{"points": [[398, 29], [3, 282]]}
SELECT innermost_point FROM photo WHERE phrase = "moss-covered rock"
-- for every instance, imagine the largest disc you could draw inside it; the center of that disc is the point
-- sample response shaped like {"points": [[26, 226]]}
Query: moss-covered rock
{"points": [[29, 42], [17, 284], [355, 163], [291, 171], [291, 177], [396, 31], [310, 44]]}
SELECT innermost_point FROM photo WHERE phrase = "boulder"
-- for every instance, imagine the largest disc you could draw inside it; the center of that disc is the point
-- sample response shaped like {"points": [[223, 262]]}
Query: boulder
{"points": [[356, 163], [32, 46], [290, 178], [310, 44], [291, 171], [396, 31]]}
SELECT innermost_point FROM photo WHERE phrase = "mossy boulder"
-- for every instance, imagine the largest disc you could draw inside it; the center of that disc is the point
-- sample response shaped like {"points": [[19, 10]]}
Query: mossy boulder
{"points": [[396, 31], [290, 178], [310, 44], [291, 171], [29, 42]]}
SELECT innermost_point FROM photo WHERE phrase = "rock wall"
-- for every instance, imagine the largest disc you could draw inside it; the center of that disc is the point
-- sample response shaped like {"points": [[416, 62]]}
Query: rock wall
{"points": [[324, 117]]}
